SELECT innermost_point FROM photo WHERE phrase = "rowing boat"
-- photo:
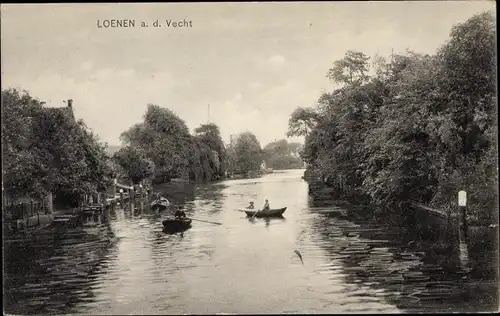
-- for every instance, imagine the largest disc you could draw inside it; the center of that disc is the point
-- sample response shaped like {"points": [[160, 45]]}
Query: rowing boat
{"points": [[269, 213], [160, 204], [176, 224]]}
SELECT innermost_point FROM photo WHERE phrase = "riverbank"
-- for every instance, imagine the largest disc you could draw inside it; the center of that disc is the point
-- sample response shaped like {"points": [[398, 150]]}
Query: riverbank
{"points": [[37, 222], [34, 222]]}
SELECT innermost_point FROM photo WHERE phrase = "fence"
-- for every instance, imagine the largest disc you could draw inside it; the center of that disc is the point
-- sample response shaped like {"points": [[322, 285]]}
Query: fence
{"points": [[23, 210]]}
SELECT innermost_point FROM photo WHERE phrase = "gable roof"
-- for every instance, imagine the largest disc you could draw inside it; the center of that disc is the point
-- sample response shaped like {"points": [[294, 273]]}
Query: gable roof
{"points": [[64, 110]]}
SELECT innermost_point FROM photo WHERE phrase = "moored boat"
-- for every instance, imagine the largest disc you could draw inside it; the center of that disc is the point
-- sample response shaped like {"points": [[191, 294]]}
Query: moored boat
{"points": [[176, 224], [160, 204], [269, 213]]}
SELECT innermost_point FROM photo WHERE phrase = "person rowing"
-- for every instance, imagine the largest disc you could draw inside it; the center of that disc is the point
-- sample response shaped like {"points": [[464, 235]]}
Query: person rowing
{"points": [[266, 206], [179, 213]]}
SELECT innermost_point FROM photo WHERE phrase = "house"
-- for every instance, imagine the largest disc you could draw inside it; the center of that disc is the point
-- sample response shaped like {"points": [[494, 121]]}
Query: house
{"points": [[65, 110]]}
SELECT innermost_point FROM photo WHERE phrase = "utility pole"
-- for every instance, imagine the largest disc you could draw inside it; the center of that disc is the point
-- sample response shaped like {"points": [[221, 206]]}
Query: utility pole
{"points": [[208, 118], [392, 58]]}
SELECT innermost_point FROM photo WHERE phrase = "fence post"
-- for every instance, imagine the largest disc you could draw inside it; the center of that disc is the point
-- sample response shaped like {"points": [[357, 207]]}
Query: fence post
{"points": [[462, 228], [122, 200]]}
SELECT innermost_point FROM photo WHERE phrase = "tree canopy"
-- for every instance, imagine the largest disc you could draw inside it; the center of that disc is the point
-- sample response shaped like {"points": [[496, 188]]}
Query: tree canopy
{"points": [[421, 128], [46, 150], [302, 121], [283, 155], [134, 163], [164, 138], [246, 153]]}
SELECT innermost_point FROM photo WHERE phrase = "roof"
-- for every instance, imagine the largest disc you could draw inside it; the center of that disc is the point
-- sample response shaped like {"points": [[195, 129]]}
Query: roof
{"points": [[67, 111]]}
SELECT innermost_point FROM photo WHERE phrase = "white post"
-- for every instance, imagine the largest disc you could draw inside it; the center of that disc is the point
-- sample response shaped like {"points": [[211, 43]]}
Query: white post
{"points": [[462, 228], [49, 201]]}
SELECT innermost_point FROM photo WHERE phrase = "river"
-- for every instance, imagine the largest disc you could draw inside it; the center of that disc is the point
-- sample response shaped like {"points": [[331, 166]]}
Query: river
{"points": [[129, 266]]}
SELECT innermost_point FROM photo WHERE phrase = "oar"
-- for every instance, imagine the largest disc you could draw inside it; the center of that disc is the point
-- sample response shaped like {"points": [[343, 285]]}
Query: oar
{"points": [[194, 219], [255, 214]]}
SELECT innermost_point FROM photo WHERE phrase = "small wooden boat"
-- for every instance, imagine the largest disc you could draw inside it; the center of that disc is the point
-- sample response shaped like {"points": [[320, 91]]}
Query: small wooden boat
{"points": [[269, 213], [160, 204], [176, 224]]}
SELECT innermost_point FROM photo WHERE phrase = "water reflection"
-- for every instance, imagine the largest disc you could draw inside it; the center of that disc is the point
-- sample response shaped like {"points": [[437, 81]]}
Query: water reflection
{"points": [[130, 266], [266, 220], [414, 275], [209, 197], [177, 192], [55, 271]]}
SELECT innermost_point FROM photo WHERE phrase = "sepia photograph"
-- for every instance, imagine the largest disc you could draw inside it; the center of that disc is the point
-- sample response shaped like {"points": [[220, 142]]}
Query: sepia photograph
{"points": [[206, 158]]}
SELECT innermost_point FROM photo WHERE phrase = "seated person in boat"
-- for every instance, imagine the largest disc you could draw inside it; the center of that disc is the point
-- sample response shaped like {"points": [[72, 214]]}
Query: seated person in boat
{"points": [[179, 213], [251, 206], [160, 198], [266, 206]]}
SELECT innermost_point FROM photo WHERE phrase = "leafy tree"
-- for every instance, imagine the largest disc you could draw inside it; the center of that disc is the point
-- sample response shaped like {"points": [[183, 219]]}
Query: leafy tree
{"points": [[295, 148], [467, 111], [282, 155], [45, 150], [350, 70], [134, 163], [301, 121], [20, 164], [203, 164], [164, 139], [247, 152], [420, 129], [209, 134]]}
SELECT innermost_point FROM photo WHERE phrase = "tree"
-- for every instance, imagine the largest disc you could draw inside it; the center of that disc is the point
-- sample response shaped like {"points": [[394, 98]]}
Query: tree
{"points": [[301, 121], [282, 155], [72, 158], [20, 164], [46, 151], [164, 138], [419, 130], [349, 70], [467, 112], [134, 163], [247, 152], [209, 135], [295, 149]]}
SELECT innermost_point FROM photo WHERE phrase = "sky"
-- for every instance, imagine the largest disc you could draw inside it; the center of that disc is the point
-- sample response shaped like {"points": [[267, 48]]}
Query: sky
{"points": [[253, 63]]}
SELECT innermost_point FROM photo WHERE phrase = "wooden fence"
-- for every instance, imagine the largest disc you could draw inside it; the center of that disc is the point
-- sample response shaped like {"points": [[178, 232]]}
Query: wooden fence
{"points": [[16, 211]]}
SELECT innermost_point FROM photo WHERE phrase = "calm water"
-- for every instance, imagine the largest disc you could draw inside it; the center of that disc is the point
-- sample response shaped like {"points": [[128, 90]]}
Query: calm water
{"points": [[129, 266]]}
